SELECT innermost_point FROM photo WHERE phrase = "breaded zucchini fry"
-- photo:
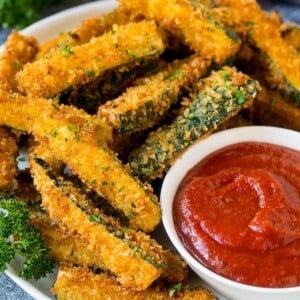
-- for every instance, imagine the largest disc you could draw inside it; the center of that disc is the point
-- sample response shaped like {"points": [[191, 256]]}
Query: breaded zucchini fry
{"points": [[23, 111], [194, 25], [221, 96], [279, 59], [18, 50], [75, 283], [143, 106], [72, 140], [270, 108], [66, 248], [110, 85], [8, 160], [132, 256], [31, 108], [89, 28], [71, 66]]}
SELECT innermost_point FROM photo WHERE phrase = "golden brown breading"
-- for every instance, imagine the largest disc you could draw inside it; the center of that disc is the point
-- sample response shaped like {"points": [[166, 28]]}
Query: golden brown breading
{"points": [[143, 106], [8, 163], [75, 283], [270, 108], [72, 136], [272, 52], [66, 248], [89, 28], [133, 257], [72, 141], [18, 50], [291, 33], [70, 66], [194, 25]]}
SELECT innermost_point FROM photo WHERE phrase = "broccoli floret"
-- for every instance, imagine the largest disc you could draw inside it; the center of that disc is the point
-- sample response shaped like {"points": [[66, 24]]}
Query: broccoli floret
{"points": [[17, 236]]}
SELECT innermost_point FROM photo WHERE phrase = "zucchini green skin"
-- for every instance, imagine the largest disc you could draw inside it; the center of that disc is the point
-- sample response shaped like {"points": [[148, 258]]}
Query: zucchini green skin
{"points": [[111, 83], [222, 95], [144, 105]]}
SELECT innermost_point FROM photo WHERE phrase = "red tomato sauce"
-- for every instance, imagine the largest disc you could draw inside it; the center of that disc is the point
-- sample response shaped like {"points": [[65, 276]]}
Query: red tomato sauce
{"points": [[238, 212]]}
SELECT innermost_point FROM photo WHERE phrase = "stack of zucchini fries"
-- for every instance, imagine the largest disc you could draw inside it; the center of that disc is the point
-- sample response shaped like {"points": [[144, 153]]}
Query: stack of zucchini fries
{"points": [[107, 108]]}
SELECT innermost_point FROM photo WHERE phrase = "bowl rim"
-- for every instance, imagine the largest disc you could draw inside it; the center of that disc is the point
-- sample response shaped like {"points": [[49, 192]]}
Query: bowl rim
{"points": [[195, 153]]}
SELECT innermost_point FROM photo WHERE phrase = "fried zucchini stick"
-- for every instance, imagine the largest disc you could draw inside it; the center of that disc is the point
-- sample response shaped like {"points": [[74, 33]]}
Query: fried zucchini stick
{"points": [[89, 28], [73, 249], [132, 256], [71, 136], [8, 160], [143, 106], [72, 140], [280, 59], [66, 248], [194, 25], [74, 283], [17, 51], [221, 96], [71, 66], [270, 108]]}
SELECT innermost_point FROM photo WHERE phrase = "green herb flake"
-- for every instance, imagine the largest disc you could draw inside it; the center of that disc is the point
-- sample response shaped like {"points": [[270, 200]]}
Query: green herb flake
{"points": [[17, 66], [130, 54], [225, 75], [54, 133], [94, 181], [66, 50], [249, 23], [89, 73], [175, 288], [240, 97], [95, 219], [274, 101], [105, 169]]}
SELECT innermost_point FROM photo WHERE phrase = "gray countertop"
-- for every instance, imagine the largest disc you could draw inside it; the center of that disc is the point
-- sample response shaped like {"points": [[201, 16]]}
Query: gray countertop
{"points": [[8, 289]]}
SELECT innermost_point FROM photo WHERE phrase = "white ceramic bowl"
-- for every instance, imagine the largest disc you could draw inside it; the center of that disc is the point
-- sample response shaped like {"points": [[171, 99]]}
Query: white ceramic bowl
{"points": [[192, 156]]}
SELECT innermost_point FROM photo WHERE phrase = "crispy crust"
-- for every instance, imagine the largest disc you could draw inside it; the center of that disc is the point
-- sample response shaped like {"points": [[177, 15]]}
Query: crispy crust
{"points": [[217, 101], [89, 28], [18, 50], [69, 66], [144, 105], [126, 259], [194, 25], [262, 32], [81, 283], [8, 162]]}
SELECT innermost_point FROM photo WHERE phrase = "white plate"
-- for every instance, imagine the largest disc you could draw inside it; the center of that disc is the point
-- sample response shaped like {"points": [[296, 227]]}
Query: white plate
{"points": [[44, 30]]}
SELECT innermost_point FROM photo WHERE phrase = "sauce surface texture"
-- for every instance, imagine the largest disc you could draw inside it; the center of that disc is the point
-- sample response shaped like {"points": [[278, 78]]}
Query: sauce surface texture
{"points": [[238, 212]]}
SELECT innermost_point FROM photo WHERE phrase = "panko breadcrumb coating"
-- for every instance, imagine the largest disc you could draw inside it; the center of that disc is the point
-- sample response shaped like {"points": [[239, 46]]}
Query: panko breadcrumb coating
{"points": [[69, 66]]}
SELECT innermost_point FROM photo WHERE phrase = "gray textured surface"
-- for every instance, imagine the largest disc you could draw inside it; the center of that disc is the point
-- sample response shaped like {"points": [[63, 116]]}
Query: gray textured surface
{"points": [[8, 289]]}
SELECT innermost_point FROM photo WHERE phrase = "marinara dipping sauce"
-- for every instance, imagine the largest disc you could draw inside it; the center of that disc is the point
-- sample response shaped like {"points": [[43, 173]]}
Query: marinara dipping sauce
{"points": [[238, 213]]}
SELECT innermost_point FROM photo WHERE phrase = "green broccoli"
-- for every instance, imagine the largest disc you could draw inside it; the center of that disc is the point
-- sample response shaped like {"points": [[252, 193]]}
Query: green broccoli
{"points": [[17, 236]]}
